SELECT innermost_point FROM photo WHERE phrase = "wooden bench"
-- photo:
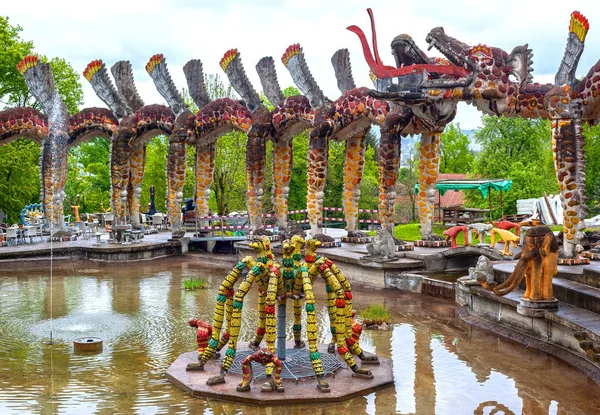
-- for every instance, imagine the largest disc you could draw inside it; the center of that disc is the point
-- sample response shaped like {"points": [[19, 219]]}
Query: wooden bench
{"points": [[461, 215]]}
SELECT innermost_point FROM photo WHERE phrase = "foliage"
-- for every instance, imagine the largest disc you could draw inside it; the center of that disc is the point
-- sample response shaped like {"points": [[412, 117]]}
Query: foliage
{"points": [[408, 177], [89, 176], [375, 314], [155, 174], [455, 156], [19, 177], [13, 91], [229, 181], [12, 85], [19, 170], [195, 283], [298, 185], [592, 168], [516, 149]]}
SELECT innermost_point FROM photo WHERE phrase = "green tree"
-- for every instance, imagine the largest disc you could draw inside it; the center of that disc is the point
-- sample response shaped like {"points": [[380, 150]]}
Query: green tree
{"points": [[455, 156], [155, 173], [516, 149], [408, 177], [19, 177], [89, 176], [12, 86], [592, 168], [19, 170]]}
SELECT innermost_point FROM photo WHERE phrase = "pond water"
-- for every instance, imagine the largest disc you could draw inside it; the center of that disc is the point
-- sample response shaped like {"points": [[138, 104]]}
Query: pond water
{"points": [[141, 313]]}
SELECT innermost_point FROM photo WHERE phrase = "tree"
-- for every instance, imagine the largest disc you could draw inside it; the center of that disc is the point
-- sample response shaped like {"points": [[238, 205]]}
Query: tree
{"points": [[12, 85], [408, 177], [19, 170], [155, 173], [592, 168], [89, 175], [455, 156], [516, 149], [19, 177]]}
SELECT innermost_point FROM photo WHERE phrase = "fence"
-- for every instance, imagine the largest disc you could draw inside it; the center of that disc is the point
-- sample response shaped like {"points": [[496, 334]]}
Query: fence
{"points": [[239, 222]]}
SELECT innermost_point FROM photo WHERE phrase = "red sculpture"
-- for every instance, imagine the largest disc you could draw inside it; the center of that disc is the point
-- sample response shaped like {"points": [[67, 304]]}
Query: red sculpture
{"points": [[507, 226], [453, 232]]}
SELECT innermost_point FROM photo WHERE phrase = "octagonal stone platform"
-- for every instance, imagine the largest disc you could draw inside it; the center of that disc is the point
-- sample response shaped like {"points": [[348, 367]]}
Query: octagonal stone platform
{"points": [[304, 391]]}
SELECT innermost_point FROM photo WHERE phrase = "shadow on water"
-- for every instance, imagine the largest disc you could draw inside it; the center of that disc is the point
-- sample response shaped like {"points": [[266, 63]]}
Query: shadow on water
{"points": [[141, 312]]}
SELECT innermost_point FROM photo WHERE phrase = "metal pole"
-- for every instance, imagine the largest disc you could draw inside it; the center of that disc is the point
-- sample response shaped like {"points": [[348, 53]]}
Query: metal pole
{"points": [[281, 330]]}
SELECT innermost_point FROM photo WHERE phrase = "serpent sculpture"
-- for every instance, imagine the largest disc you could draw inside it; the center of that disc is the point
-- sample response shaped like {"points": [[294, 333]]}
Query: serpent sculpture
{"points": [[499, 83], [418, 96]]}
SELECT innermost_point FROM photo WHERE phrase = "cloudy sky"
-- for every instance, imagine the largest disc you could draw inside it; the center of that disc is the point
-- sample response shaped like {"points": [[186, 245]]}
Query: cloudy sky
{"points": [[201, 29]]}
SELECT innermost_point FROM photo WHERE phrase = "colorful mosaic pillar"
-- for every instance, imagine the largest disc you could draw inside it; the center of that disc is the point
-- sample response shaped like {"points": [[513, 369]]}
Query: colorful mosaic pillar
{"points": [[429, 162], [354, 164], [176, 167], [389, 166], [569, 163], [255, 177], [119, 176], [204, 168], [317, 174], [137, 162], [47, 181], [282, 173]]}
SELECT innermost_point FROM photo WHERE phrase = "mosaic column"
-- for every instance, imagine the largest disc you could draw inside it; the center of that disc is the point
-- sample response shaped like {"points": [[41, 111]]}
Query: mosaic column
{"points": [[119, 177], [255, 177], [318, 149], [204, 168], [569, 163], [354, 164], [176, 167], [389, 166], [137, 163], [282, 173], [429, 163]]}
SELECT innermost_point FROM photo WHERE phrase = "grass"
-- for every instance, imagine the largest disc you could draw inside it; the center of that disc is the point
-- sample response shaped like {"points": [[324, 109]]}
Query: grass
{"points": [[411, 232], [375, 314], [195, 284]]}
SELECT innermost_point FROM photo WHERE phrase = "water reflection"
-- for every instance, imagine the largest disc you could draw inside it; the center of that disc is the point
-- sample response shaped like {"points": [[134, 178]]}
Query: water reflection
{"points": [[141, 312]]}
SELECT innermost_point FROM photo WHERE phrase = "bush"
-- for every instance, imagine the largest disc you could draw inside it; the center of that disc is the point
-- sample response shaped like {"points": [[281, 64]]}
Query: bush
{"points": [[194, 284], [375, 314]]}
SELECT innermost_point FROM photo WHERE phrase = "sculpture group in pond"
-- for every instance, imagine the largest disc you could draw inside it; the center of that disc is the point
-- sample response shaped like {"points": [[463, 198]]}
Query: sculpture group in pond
{"points": [[418, 96], [295, 278]]}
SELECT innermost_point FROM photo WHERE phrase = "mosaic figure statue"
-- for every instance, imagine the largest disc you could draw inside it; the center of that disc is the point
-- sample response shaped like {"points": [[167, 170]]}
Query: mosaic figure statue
{"points": [[266, 274], [291, 263], [339, 306], [264, 357]]}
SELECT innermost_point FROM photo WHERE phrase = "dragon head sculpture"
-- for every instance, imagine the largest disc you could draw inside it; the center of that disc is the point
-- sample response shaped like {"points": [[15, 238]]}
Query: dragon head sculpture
{"points": [[415, 71], [495, 74]]}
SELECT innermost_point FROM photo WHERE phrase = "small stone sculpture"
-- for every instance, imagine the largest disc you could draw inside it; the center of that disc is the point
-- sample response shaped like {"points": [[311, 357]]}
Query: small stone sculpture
{"points": [[383, 246], [264, 357], [483, 271], [480, 229]]}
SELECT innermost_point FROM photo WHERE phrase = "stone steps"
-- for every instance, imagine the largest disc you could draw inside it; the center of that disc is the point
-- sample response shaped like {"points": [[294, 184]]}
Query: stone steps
{"points": [[580, 289]]}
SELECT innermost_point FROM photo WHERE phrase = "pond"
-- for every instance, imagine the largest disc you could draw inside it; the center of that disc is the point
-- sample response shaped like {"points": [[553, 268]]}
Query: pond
{"points": [[141, 312]]}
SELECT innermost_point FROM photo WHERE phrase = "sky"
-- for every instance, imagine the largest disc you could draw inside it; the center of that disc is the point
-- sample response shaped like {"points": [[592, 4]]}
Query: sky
{"points": [[186, 29]]}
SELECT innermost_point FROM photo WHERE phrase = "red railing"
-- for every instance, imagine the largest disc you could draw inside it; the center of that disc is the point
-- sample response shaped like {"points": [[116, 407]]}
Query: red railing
{"points": [[223, 226]]}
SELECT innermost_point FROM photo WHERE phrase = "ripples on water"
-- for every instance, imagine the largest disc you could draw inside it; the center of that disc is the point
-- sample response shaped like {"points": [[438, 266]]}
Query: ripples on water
{"points": [[141, 313]]}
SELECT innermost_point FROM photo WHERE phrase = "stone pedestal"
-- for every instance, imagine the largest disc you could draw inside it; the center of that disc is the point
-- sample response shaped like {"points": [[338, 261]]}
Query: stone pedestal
{"points": [[538, 308]]}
